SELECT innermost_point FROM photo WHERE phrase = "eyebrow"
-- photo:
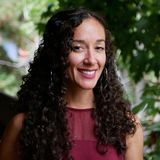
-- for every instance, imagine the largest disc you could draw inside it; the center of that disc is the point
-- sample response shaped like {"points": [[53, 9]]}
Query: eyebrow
{"points": [[82, 41]]}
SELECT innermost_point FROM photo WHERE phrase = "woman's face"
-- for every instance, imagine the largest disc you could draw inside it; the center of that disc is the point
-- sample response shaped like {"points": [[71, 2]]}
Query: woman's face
{"points": [[87, 58]]}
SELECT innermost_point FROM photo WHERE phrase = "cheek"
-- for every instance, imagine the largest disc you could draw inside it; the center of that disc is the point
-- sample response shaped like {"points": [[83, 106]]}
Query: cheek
{"points": [[103, 61], [73, 62], [70, 73]]}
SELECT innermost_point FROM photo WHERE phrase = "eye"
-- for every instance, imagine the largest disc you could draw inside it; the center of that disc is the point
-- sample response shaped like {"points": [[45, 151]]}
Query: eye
{"points": [[100, 48], [78, 48]]}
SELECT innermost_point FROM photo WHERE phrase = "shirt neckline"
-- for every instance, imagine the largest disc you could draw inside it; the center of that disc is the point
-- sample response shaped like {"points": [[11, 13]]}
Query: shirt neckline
{"points": [[79, 109]]}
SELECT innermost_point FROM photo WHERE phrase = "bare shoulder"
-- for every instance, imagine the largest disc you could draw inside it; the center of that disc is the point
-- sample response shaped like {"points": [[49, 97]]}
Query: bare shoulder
{"points": [[17, 121], [15, 125], [135, 143], [9, 142]]}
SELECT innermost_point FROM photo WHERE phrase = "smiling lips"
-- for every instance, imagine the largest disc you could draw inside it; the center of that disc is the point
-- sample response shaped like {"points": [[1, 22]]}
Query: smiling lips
{"points": [[89, 74]]}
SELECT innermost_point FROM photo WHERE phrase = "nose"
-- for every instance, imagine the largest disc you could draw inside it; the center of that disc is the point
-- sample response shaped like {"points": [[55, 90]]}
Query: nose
{"points": [[90, 57]]}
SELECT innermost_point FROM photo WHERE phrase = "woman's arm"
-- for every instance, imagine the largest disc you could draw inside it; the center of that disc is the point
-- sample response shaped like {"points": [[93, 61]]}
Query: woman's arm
{"points": [[9, 142], [135, 144]]}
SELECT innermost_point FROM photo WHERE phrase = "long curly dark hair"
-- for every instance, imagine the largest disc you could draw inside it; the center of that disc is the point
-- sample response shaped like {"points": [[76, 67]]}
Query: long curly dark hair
{"points": [[45, 135]]}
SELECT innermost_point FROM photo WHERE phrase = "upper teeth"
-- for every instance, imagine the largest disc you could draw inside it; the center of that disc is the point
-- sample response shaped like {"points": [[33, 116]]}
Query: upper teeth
{"points": [[88, 72]]}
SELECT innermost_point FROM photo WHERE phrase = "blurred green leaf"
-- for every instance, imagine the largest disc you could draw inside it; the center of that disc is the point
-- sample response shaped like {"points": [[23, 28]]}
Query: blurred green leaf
{"points": [[154, 127]]}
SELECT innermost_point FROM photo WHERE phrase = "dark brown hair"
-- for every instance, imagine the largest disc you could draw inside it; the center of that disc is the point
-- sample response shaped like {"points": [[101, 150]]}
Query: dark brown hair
{"points": [[45, 135]]}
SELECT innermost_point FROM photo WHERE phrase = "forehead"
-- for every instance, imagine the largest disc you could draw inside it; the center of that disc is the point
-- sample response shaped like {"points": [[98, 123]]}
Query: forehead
{"points": [[90, 28]]}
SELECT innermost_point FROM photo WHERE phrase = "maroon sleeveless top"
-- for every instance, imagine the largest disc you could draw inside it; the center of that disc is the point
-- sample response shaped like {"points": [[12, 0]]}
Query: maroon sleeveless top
{"points": [[81, 123]]}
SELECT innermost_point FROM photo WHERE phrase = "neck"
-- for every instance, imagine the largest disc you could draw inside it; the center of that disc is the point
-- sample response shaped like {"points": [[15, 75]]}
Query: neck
{"points": [[80, 98]]}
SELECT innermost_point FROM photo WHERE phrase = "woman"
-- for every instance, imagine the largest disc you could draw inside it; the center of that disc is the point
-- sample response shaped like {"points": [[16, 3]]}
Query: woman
{"points": [[71, 101]]}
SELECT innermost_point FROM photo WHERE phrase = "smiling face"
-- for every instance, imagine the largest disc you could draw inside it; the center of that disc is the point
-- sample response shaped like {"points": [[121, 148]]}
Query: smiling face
{"points": [[88, 57]]}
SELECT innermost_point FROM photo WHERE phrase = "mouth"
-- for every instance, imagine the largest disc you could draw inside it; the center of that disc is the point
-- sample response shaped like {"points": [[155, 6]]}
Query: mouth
{"points": [[87, 73]]}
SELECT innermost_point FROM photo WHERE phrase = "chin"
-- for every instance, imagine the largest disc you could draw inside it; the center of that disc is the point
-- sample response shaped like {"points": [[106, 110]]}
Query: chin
{"points": [[87, 87]]}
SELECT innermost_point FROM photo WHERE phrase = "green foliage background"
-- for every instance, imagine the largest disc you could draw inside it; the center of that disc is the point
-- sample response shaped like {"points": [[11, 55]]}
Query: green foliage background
{"points": [[135, 29]]}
